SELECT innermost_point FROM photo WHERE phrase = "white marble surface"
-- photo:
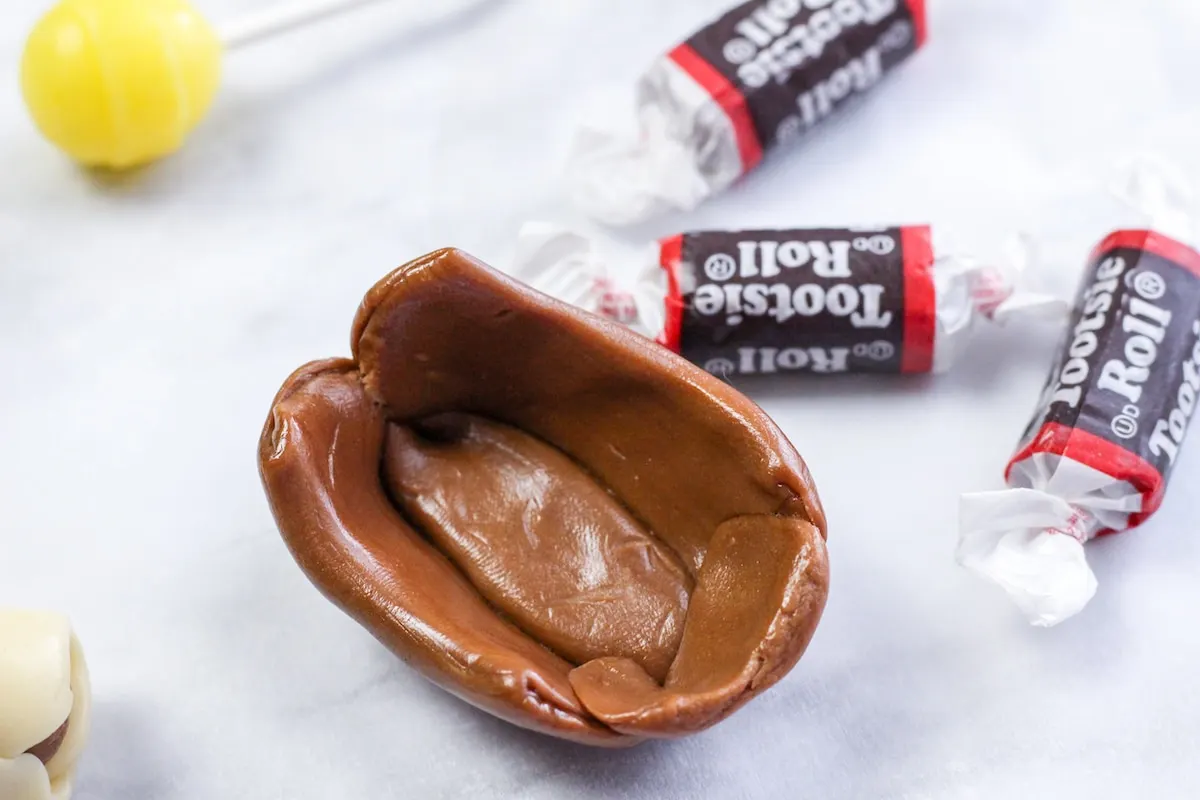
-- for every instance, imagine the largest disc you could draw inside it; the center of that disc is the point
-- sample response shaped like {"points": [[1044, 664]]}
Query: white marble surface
{"points": [[145, 324]]}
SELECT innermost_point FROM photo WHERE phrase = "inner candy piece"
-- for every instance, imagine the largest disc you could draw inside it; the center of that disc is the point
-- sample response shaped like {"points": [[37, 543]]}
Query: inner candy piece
{"points": [[541, 540], [760, 574]]}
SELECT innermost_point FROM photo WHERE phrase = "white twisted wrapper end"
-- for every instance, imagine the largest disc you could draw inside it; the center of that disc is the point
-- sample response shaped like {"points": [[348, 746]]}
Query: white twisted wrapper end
{"points": [[621, 180], [560, 263], [679, 150], [969, 290], [567, 266], [1156, 189], [1029, 543]]}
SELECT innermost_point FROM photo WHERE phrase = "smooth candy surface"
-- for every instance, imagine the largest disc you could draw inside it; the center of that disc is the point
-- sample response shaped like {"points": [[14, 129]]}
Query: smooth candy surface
{"points": [[615, 466], [45, 705], [119, 83], [35, 678], [541, 540]]}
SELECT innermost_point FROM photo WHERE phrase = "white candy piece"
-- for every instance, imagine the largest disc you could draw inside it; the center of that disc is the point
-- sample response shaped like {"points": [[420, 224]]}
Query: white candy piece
{"points": [[43, 683]]}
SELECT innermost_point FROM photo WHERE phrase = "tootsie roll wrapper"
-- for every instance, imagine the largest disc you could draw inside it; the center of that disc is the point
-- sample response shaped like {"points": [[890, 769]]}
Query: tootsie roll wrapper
{"points": [[821, 301], [1108, 429], [760, 77]]}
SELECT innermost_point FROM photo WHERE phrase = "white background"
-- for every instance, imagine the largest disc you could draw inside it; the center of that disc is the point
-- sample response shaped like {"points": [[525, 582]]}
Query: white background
{"points": [[146, 322]]}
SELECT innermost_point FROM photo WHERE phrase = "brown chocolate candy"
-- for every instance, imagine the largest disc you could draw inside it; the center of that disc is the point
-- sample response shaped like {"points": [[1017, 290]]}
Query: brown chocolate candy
{"points": [[45, 750], [546, 514]]}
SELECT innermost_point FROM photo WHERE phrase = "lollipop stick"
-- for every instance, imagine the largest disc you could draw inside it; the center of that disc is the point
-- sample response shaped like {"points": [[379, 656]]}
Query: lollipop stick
{"points": [[284, 18]]}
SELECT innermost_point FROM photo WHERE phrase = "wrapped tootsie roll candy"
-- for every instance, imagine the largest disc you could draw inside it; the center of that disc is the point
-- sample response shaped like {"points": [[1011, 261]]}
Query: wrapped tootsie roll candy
{"points": [[823, 300], [760, 77], [45, 705], [1108, 429]]}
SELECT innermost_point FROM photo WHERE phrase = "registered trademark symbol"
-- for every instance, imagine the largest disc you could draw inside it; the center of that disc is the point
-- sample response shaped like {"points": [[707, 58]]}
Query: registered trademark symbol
{"points": [[720, 267]]}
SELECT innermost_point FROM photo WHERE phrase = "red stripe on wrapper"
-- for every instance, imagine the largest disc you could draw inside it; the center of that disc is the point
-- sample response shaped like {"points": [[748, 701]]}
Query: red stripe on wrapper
{"points": [[670, 256], [1151, 242], [920, 21], [920, 299], [1102, 455], [726, 95]]}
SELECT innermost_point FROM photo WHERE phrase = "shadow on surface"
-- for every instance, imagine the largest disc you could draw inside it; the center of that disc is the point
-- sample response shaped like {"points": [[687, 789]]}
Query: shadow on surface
{"points": [[125, 758], [610, 771], [381, 46], [534, 759]]}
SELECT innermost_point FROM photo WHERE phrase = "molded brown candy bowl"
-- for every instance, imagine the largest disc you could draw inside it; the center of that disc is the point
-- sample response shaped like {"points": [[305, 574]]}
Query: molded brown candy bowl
{"points": [[549, 516]]}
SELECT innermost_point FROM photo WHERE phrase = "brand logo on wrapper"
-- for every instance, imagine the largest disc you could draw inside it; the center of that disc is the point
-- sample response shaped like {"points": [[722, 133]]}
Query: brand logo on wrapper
{"points": [[768, 360], [861, 303], [822, 301], [720, 267], [1122, 394], [1169, 430], [876, 351], [773, 41], [856, 77], [776, 68], [879, 245], [1144, 326]]}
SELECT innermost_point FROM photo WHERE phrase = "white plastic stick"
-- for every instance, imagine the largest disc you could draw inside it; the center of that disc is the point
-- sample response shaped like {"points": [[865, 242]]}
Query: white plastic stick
{"points": [[284, 18]]}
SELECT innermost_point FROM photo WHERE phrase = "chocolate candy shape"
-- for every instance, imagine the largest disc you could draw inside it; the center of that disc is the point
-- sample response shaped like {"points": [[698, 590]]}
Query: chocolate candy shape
{"points": [[579, 574], [45, 750], [684, 470]]}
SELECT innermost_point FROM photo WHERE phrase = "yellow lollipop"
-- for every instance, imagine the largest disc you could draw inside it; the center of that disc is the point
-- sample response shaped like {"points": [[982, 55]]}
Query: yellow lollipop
{"points": [[119, 83]]}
